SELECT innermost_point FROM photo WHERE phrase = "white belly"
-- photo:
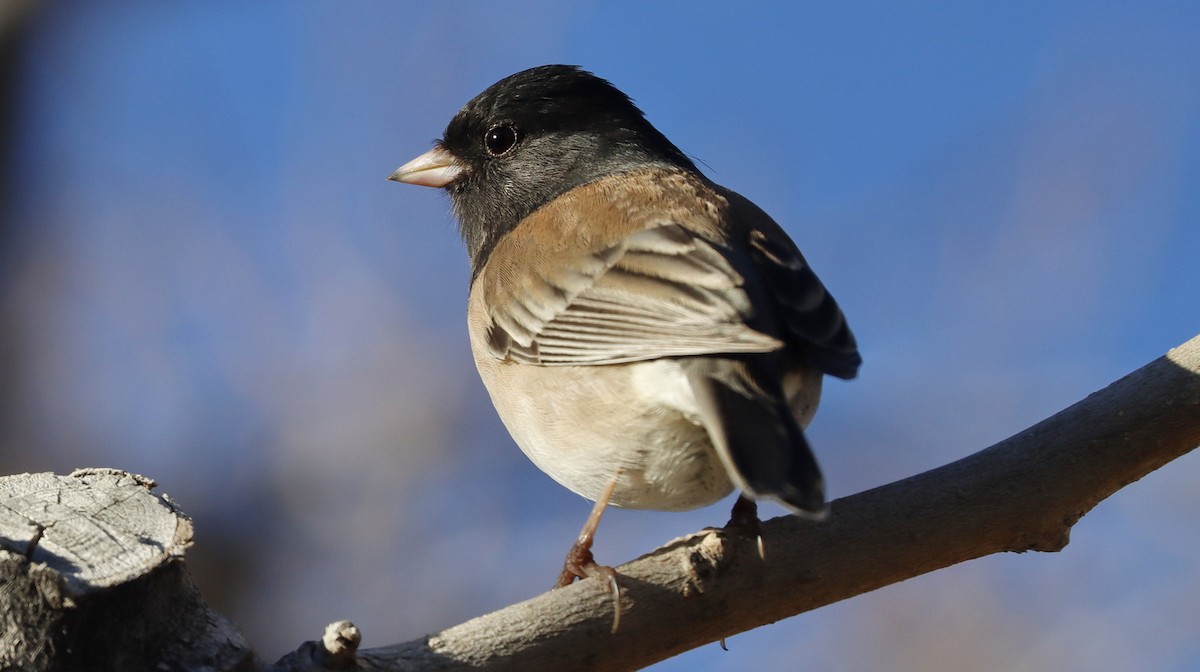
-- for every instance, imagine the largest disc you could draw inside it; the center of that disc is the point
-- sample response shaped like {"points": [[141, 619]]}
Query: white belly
{"points": [[637, 422]]}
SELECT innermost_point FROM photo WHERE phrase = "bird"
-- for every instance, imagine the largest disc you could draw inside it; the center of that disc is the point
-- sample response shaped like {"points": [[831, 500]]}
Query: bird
{"points": [[649, 338]]}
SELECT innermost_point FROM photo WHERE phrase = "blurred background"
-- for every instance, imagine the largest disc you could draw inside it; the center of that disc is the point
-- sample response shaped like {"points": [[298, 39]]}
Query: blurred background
{"points": [[205, 278]]}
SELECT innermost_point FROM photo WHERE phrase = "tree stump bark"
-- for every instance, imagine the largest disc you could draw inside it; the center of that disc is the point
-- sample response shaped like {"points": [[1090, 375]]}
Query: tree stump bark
{"points": [[92, 578]]}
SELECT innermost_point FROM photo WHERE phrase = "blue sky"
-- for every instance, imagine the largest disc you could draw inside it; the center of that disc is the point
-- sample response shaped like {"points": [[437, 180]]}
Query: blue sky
{"points": [[212, 283]]}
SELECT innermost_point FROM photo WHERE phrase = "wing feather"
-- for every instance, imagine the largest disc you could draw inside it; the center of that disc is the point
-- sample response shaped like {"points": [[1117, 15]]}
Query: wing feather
{"points": [[660, 292]]}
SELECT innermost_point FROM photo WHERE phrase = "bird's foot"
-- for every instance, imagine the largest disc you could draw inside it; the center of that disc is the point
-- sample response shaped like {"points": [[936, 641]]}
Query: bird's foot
{"points": [[580, 563], [743, 521]]}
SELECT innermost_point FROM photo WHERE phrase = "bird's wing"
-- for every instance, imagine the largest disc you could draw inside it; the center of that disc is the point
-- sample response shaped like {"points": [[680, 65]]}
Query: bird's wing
{"points": [[660, 291], [811, 319]]}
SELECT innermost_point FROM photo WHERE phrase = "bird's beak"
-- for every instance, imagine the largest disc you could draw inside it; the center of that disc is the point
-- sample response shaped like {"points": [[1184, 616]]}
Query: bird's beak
{"points": [[435, 168]]}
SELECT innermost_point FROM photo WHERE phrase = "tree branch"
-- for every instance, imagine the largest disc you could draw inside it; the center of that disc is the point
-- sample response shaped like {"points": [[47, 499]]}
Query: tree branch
{"points": [[1021, 494], [92, 564]]}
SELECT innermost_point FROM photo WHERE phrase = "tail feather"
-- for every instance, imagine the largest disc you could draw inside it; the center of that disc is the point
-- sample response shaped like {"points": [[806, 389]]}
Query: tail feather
{"points": [[755, 434]]}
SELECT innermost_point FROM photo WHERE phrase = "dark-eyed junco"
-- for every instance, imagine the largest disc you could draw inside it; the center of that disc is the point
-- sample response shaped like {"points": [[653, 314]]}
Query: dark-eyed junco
{"points": [[650, 339]]}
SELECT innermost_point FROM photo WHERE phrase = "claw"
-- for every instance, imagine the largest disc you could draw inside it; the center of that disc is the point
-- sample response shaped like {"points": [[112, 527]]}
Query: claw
{"points": [[744, 520]]}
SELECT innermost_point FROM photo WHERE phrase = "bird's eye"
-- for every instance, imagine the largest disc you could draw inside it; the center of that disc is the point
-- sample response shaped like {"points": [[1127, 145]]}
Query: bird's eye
{"points": [[500, 139]]}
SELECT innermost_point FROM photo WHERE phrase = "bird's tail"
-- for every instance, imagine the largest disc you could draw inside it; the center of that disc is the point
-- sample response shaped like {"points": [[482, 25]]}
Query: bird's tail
{"points": [[755, 434]]}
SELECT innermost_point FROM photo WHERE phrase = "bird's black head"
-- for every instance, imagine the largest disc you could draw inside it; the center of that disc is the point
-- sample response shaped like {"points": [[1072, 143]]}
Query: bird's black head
{"points": [[530, 137]]}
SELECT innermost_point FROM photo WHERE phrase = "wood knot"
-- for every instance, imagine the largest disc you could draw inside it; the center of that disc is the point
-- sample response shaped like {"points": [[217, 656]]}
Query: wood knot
{"points": [[341, 640], [707, 560]]}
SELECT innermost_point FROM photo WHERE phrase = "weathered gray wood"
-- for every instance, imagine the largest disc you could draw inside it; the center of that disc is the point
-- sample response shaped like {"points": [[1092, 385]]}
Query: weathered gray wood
{"points": [[92, 577]]}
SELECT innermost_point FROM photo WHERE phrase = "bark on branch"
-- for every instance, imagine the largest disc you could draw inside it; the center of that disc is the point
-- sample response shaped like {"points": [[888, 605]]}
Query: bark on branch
{"points": [[1022, 494]]}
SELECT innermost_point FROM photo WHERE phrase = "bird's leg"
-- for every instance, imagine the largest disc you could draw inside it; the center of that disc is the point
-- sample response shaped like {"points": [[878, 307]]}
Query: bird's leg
{"points": [[743, 520], [581, 564]]}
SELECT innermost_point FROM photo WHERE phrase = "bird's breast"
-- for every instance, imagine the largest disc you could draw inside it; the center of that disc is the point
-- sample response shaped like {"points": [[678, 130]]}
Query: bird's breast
{"points": [[585, 425]]}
